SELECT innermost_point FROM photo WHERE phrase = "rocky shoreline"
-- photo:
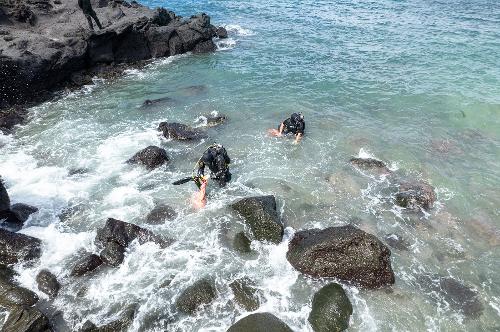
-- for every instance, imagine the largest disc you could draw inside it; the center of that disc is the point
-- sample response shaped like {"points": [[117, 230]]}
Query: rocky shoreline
{"points": [[46, 46]]}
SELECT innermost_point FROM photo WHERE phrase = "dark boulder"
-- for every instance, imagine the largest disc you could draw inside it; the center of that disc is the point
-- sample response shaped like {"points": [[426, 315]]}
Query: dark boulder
{"points": [[85, 265], [47, 283], [7, 274], [416, 195], [221, 32], [260, 322], [113, 254], [180, 131], [11, 118], [151, 157], [12, 295], [261, 215], [22, 211], [206, 46], [121, 324], [200, 293], [242, 243], [345, 252], [370, 164], [245, 294], [15, 247], [331, 309], [161, 213], [26, 320], [4, 197], [123, 233]]}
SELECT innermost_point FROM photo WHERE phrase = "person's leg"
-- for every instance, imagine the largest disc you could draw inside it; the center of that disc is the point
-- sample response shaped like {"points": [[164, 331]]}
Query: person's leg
{"points": [[94, 15], [87, 16]]}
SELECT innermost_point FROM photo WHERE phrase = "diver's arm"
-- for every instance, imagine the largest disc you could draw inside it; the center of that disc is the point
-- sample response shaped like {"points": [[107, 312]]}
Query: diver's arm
{"points": [[282, 127], [298, 137]]}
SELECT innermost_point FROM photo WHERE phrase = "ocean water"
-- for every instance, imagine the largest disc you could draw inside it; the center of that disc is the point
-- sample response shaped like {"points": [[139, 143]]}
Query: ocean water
{"points": [[413, 83]]}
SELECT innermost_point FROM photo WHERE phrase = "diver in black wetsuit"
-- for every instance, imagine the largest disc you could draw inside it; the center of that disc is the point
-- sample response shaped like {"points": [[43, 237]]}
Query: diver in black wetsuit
{"points": [[217, 160], [89, 13], [293, 125]]}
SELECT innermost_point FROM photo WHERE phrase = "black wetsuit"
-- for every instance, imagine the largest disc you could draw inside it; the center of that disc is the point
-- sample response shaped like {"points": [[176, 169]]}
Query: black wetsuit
{"points": [[89, 13], [292, 126], [217, 160]]}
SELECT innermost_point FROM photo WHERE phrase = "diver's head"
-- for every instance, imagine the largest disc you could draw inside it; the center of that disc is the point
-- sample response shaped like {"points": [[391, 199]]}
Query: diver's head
{"points": [[297, 117]]}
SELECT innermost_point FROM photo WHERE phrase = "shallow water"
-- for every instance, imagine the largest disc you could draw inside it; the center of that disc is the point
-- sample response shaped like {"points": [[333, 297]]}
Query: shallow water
{"points": [[416, 84]]}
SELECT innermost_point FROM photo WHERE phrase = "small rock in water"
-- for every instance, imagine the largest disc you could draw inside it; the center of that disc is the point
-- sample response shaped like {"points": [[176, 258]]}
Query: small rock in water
{"points": [[345, 252], [85, 265], [242, 243], [260, 322], [158, 102], [151, 157], [370, 164], [397, 242], [221, 32], [261, 215], [212, 120], [47, 283], [113, 254], [331, 309], [415, 195], [193, 90], [245, 294], [200, 293], [26, 320], [180, 131], [23, 211], [4, 197], [77, 171], [161, 213]]}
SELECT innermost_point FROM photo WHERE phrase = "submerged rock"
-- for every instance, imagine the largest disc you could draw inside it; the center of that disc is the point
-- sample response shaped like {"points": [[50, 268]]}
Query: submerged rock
{"points": [[242, 243], [151, 157], [397, 242], [260, 322], [415, 195], [121, 324], [47, 283], [213, 120], [15, 247], [454, 293], [345, 252], [370, 164], [12, 295], [157, 102], [124, 233], [161, 213], [245, 294], [113, 254], [85, 265], [180, 131], [331, 309], [26, 320], [261, 215], [200, 293]]}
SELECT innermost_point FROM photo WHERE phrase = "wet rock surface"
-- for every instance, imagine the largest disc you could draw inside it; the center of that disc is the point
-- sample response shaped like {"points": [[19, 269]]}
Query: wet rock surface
{"points": [[26, 320], [180, 131], [415, 195], [4, 197], [15, 247], [86, 265], [22, 211], [397, 242], [47, 283], [10, 118], [12, 295], [46, 47], [113, 254], [160, 214], [221, 32], [245, 294], [331, 309], [242, 243], [200, 293], [345, 252], [259, 322], [370, 164], [124, 233], [150, 157], [260, 214]]}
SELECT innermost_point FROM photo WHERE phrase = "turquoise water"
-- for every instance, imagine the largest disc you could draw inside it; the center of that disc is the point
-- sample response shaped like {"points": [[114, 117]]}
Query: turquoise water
{"points": [[416, 84]]}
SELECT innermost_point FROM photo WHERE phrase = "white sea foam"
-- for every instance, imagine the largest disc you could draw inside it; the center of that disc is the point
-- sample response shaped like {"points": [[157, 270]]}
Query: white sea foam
{"points": [[239, 30]]}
